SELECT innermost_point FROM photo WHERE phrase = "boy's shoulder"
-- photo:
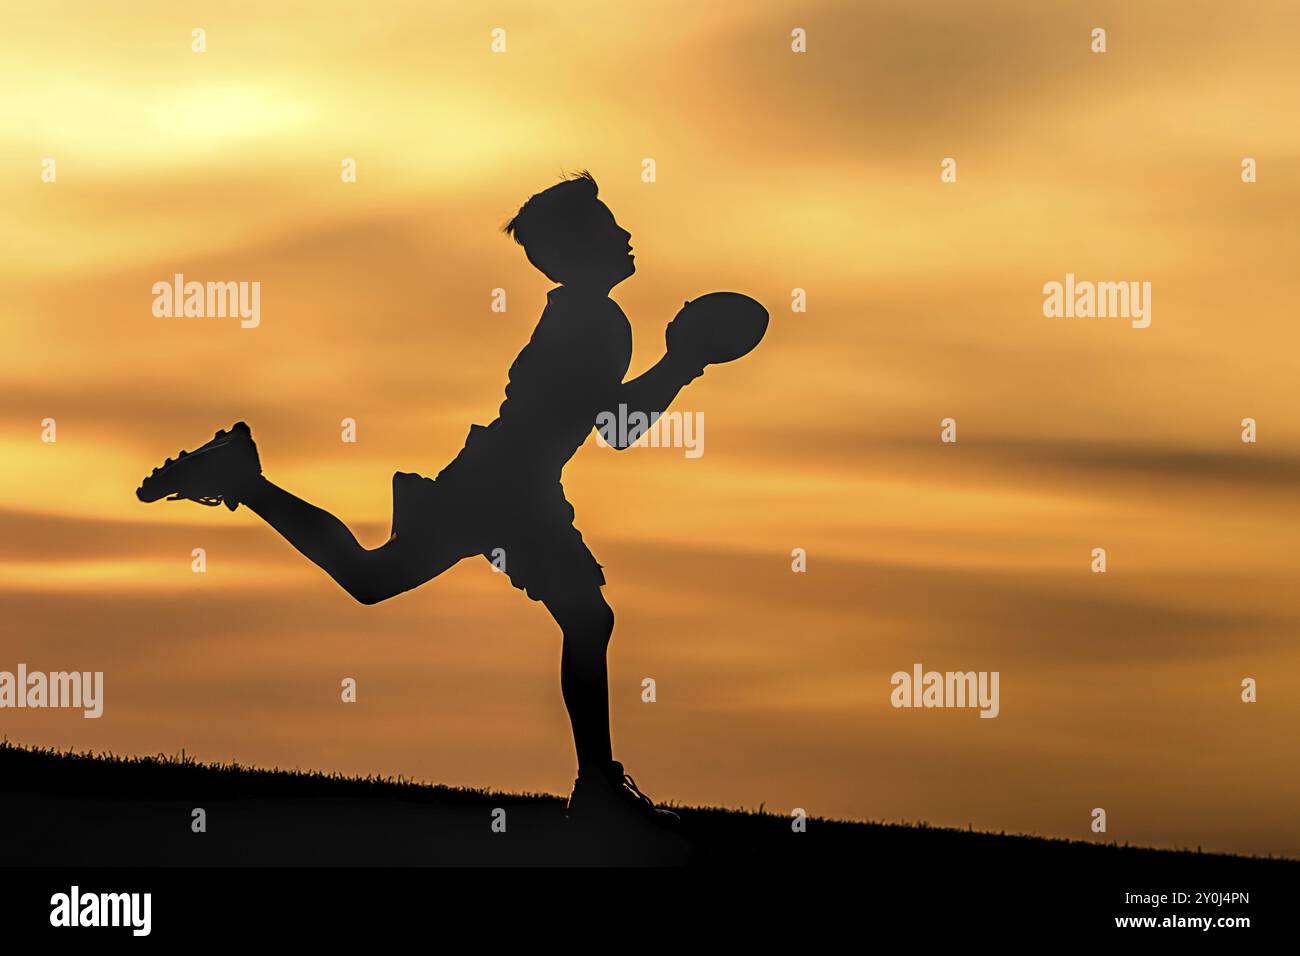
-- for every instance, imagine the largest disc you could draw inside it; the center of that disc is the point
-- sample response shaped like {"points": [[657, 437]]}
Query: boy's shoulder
{"points": [[574, 313]]}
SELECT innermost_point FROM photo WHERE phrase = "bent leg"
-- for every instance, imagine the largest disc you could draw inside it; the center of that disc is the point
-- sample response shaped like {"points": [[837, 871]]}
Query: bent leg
{"points": [[587, 623], [370, 576]]}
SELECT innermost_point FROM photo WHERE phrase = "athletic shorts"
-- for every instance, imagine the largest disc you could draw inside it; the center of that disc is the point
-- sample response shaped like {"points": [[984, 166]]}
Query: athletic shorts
{"points": [[513, 514]]}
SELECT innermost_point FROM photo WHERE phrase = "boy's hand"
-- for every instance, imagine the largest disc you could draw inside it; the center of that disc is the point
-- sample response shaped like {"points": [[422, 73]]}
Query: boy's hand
{"points": [[687, 369]]}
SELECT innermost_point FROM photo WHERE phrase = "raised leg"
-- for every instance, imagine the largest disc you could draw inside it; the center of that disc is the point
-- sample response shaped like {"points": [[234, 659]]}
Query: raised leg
{"points": [[369, 575]]}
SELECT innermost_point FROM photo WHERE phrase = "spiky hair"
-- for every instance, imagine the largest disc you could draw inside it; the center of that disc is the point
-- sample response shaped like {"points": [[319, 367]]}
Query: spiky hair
{"points": [[543, 209]]}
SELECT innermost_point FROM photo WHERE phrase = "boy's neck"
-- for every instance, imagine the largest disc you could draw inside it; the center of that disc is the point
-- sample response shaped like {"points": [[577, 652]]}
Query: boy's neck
{"points": [[585, 291]]}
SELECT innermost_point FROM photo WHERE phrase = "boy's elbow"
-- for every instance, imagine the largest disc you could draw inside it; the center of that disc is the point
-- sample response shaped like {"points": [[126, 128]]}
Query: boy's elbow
{"points": [[614, 437], [627, 441]]}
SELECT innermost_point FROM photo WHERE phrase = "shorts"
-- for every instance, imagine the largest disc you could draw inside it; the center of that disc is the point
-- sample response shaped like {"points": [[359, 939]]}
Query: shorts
{"points": [[515, 515]]}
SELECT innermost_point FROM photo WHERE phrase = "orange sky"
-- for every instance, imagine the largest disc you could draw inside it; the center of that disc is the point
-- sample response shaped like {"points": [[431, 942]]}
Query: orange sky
{"points": [[775, 171]]}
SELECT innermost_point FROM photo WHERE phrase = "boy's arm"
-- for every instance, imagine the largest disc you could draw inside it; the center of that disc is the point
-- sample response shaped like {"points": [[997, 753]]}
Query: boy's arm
{"points": [[653, 391]]}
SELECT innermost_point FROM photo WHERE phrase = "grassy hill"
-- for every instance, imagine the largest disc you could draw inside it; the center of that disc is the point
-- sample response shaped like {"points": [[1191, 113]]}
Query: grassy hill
{"points": [[67, 809]]}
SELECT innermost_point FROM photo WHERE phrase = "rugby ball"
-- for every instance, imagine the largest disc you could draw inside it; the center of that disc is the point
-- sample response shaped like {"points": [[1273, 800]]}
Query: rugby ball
{"points": [[717, 327]]}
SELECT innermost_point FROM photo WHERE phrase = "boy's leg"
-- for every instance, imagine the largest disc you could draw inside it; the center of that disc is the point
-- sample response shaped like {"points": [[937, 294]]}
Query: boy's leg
{"points": [[587, 623], [602, 791], [227, 470], [370, 576], [546, 557]]}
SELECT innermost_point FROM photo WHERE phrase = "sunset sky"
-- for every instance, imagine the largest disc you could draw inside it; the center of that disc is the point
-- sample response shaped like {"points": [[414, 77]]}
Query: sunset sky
{"points": [[775, 171]]}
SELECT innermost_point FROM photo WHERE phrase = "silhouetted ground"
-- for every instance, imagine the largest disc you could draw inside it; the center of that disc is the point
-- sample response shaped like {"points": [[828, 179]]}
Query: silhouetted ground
{"points": [[62, 809]]}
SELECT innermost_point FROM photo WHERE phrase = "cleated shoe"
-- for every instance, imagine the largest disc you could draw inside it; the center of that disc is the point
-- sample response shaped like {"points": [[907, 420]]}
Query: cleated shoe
{"points": [[612, 797], [210, 474]]}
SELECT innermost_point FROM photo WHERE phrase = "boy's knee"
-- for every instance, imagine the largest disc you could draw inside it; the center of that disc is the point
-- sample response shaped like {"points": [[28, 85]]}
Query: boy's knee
{"points": [[595, 623], [590, 620], [359, 579], [362, 590], [602, 621], [366, 597]]}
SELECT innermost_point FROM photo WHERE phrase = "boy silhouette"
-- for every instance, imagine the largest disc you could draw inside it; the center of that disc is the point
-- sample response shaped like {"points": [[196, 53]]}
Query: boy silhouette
{"points": [[502, 491]]}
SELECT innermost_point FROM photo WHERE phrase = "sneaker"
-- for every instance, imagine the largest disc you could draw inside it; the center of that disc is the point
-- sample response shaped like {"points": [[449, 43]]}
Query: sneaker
{"points": [[209, 474], [612, 796]]}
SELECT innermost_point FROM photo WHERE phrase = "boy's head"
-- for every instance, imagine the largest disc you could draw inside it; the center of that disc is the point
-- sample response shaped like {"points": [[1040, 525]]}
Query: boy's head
{"points": [[572, 237]]}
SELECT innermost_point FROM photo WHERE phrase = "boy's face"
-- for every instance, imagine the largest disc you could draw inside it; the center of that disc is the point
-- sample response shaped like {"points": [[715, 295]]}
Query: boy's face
{"points": [[600, 250]]}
